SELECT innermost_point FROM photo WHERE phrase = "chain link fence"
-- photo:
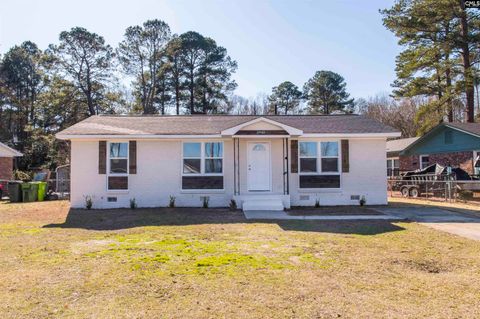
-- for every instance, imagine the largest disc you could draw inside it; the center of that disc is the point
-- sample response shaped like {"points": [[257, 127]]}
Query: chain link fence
{"points": [[434, 187]]}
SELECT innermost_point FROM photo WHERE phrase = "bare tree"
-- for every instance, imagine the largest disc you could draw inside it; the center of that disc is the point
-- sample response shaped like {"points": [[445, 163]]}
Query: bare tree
{"points": [[400, 114]]}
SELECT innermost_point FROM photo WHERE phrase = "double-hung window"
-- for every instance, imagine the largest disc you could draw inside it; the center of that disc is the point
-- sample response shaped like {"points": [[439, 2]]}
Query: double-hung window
{"points": [[192, 158], [329, 157], [393, 167], [424, 161], [319, 164], [202, 165], [213, 158], [202, 158], [319, 157], [308, 157], [118, 166]]}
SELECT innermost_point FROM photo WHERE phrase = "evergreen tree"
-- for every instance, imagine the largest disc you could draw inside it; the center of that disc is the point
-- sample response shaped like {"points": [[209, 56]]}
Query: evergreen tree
{"points": [[285, 98], [326, 93], [437, 37], [85, 59], [142, 55]]}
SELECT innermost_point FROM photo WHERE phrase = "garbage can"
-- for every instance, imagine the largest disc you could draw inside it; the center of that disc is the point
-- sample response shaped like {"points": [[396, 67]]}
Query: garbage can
{"points": [[42, 190], [29, 192], [15, 191]]}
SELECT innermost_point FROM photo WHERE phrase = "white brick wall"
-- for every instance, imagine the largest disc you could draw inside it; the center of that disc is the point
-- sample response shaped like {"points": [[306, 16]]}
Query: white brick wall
{"points": [[159, 176]]}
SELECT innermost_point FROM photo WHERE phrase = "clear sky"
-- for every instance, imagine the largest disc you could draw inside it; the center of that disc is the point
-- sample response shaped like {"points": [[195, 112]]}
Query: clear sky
{"points": [[272, 41]]}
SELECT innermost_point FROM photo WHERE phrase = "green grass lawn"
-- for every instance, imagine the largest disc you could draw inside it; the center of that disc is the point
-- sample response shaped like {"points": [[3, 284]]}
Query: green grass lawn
{"points": [[209, 263]]}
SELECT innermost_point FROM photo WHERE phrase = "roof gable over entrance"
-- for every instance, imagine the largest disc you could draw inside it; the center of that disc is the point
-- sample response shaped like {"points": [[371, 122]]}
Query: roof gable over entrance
{"points": [[445, 138], [262, 124]]}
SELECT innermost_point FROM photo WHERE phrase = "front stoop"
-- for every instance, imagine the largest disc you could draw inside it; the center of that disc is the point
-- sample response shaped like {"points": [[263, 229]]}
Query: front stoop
{"points": [[267, 204], [263, 202]]}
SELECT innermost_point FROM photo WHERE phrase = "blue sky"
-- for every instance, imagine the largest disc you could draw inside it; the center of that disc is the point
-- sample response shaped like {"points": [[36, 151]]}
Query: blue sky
{"points": [[272, 41]]}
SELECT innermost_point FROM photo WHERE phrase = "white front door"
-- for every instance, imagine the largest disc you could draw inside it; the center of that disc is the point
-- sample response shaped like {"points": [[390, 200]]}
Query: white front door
{"points": [[258, 166]]}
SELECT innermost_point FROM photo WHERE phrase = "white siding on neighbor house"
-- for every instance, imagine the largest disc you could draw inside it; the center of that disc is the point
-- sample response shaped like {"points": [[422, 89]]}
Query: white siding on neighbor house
{"points": [[366, 177], [159, 175]]}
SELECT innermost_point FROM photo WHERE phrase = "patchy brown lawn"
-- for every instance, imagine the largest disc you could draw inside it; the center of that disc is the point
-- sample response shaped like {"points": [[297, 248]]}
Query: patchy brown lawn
{"points": [[196, 263]]}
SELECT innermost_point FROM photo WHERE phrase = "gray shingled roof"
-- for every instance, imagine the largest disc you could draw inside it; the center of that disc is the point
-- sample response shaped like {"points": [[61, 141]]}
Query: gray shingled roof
{"points": [[400, 144], [215, 124], [473, 128]]}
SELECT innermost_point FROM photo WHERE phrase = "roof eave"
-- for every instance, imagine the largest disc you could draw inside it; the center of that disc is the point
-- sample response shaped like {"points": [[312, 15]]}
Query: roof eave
{"points": [[10, 151], [461, 130], [203, 136]]}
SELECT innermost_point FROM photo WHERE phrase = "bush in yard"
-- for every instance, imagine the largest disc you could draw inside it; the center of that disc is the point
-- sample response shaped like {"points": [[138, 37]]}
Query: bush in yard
{"points": [[171, 202], [22, 175], [133, 203], [362, 201], [233, 205], [88, 202], [205, 202]]}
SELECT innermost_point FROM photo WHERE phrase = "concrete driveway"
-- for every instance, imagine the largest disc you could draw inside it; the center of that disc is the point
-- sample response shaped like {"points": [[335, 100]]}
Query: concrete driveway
{"points": [[464, 225]]}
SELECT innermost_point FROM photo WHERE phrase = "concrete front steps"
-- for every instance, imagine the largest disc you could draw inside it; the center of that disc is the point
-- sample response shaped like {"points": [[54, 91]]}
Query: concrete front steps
{"points": [[263, 202]]}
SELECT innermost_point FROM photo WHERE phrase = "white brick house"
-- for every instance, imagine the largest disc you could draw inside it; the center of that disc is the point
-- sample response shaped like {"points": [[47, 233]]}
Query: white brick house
{"points": [[272, 162]]}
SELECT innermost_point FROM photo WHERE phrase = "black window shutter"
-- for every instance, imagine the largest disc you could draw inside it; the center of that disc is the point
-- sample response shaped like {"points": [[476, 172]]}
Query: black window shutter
{"points": [[132, 157], [294, 159], [102, 157], [345, 156]]}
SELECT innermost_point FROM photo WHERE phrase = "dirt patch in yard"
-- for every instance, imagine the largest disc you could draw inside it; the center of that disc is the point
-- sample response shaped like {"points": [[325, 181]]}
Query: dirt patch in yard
{"points": [[332, 211], [433, 266]]}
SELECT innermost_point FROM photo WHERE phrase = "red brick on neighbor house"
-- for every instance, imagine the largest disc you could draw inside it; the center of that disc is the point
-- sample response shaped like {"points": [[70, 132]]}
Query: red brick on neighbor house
{"points": [[6, 168], [409, 163], [464, 160]]}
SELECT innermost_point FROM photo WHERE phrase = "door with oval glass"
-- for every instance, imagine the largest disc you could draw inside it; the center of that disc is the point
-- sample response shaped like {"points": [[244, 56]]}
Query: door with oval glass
{"points": [[258, 166]]}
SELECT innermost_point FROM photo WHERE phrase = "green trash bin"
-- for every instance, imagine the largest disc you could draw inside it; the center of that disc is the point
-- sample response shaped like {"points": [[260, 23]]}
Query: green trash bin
{"points": [[42, 190], [15, 191], [29, 192]]}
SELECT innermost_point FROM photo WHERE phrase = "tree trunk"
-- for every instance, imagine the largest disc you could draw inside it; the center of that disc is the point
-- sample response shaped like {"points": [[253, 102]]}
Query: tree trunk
{"points": [[177, 98], [192, 101], [88, 93], [467, 70], [91, 107], [449, 92]]}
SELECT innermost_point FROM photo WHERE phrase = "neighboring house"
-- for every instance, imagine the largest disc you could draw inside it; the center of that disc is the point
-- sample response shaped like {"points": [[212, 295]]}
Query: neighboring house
{"points": [[394, 148], [262, 162], [7, 155], [447, 144]]}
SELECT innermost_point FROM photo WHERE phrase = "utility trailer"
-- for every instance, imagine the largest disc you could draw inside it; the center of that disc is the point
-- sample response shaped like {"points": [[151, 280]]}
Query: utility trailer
{"points": [[434, 180]]}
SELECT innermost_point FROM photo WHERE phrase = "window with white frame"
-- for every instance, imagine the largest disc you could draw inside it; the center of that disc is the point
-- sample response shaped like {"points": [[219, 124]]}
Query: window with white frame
{"points": [[117, 166], [319, 157], [393, 167], [424, 161], [308, 157], [202, 158]]}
